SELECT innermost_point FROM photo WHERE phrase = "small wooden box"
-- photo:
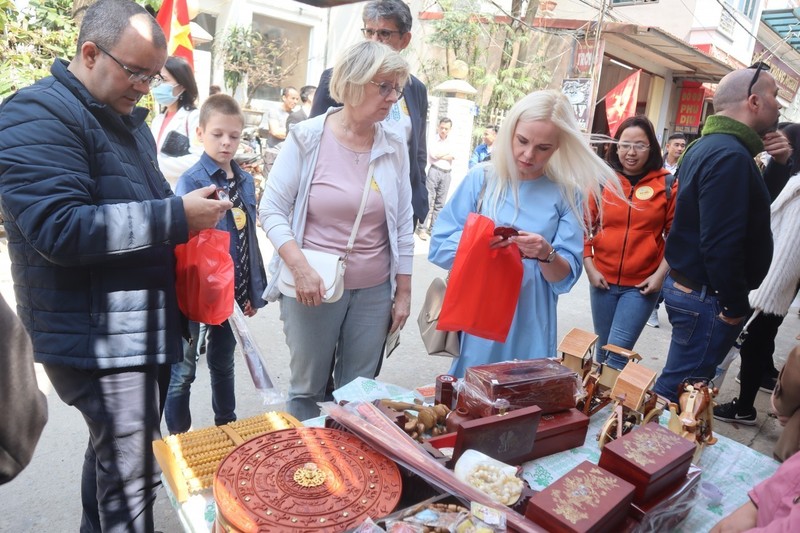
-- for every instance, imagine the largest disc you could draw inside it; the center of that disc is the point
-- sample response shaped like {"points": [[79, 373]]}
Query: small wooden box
{"points": [[672, 505], [509, 437], [586, 499], [541, 382], [559, 432], [651, 457]]}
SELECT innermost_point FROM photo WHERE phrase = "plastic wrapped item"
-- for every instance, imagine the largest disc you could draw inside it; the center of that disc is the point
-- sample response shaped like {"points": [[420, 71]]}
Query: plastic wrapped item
{"points": [[486, 389], [399, 526], [369, 527], [373, 427], [667, 512], [255, 360], [497, 480]]}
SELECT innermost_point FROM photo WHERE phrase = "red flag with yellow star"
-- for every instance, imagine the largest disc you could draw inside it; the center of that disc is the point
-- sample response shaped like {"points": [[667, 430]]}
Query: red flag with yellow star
{"points": [[621, 101], [173, 17]]}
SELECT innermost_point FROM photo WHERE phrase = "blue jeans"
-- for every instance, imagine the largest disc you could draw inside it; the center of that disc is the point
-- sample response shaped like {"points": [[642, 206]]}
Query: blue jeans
{"points": [[700, 339], [122, 409], [350, 332], [619, 315], [219, 354]]}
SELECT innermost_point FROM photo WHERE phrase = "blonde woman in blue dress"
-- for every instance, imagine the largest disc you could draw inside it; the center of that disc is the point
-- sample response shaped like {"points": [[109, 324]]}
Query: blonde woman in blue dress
{"points": [[542, 170]]}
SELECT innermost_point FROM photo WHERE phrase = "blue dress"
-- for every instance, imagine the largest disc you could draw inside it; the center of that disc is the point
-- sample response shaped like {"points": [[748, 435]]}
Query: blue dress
{"points": [[543, 210]]}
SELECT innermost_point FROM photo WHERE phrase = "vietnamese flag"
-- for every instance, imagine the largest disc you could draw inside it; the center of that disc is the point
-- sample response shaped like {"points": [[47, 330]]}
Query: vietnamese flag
{"points": [[173, 17], [621, 101]]}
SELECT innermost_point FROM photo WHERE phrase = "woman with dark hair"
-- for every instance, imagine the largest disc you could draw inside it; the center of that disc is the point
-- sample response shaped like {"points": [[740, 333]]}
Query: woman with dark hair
{"points": [[177, 97], [624, 249]]}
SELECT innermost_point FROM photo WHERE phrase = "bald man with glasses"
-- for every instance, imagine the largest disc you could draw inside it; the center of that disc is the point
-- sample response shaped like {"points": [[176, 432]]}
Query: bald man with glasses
{"points": [[92, 225], [720, 245]]}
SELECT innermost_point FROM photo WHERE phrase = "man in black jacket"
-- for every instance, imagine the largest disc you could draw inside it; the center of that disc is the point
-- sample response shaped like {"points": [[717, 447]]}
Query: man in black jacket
{"points": [[92, 226], [389, 22], [720, 244]]}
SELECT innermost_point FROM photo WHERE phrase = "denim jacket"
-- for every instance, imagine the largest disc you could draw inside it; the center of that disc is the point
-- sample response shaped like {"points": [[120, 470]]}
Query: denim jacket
{"points": [[206, 172]]}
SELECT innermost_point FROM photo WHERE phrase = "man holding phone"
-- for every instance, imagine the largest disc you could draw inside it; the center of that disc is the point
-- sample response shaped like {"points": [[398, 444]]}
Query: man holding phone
{"points": [[720, 244]]}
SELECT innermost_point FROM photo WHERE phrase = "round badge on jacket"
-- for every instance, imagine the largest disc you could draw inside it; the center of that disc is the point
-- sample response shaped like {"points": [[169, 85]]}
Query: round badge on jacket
{"points": [[644, 193]]}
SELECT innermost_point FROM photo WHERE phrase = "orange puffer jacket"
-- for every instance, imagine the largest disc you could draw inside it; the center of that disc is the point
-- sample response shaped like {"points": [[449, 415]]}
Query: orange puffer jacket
{"points": [[628, 244]]}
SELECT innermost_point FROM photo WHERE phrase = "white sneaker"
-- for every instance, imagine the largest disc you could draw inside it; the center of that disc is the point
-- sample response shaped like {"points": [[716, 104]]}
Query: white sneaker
{"points": [[653, 320]]}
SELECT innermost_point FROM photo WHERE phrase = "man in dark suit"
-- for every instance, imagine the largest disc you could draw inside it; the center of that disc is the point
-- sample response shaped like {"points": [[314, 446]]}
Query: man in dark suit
{"points": [[389, 22]]}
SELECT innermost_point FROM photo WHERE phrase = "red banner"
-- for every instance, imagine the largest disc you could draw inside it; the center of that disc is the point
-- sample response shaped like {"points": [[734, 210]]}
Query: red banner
{"points": [[173, 17], [621, 101], [690, 108]]}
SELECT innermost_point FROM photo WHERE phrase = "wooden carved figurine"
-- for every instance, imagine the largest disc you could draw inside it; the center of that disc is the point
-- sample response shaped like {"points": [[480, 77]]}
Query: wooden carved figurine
{"points": [[693, 415], [634, 402], [601, 380], [577, 351]]}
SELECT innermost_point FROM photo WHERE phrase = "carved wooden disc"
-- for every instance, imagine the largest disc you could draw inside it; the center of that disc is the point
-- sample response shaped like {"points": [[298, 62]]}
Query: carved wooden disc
{"points": [[304, 479]]}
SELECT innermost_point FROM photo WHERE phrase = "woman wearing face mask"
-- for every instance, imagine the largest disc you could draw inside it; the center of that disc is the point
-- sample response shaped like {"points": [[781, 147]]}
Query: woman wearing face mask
{"points": [[177, 97], [624, 251]]}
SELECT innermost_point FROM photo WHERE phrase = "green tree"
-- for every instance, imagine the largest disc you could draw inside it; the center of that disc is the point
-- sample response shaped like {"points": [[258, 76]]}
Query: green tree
{"points": [[32, 39]]}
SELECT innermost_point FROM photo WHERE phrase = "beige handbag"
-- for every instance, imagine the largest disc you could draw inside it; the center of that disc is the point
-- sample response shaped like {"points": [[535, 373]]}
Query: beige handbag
{"points": [[446, 343]]}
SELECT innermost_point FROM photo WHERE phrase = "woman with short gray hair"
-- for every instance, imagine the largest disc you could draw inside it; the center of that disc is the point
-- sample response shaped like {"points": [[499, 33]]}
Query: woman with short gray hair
{"points": [[331, 168]]}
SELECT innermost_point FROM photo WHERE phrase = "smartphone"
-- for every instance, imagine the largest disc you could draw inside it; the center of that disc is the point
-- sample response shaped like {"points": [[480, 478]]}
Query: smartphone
{"points": [[505, 232], [221, 194]]}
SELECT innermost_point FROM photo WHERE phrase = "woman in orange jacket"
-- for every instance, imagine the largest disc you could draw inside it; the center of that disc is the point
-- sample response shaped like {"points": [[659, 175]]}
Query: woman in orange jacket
{"points": [[624, 250]]}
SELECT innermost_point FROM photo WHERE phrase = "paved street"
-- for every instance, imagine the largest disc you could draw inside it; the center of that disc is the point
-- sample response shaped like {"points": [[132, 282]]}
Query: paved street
{"points": [[46, 496]]}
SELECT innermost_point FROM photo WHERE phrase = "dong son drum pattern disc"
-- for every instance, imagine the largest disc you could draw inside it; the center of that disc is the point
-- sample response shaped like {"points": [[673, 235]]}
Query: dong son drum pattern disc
{"points": [[304, 479]]}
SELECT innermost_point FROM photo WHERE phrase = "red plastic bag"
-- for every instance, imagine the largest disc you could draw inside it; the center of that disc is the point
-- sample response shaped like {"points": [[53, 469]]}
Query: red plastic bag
{"points": [[205, 277], [484, 285]]}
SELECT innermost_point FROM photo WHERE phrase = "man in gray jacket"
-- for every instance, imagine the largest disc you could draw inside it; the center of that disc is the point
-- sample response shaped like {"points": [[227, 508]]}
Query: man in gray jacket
{"points": [[92, 226]]}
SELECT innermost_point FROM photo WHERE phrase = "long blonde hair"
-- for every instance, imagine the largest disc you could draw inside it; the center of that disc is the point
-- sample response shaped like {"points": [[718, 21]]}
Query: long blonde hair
{"points": [[574, 166]]}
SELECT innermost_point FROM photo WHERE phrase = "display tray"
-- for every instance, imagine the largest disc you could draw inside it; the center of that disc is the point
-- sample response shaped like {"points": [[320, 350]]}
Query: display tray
{"points": [[517, 384], [304, 479], [558, 432], [586, 499], [651, 457]]}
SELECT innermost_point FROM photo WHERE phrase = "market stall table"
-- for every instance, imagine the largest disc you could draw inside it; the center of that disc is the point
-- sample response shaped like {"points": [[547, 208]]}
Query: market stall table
{"points": [[730, 466]]}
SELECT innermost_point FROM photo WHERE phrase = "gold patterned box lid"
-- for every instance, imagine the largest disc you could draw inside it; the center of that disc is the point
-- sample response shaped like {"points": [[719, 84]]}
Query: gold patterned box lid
{"points": [[651, 448]]}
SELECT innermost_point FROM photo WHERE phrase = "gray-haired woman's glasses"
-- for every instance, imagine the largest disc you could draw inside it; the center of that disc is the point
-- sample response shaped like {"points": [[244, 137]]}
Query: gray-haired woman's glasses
{"points": [[386, 88]]}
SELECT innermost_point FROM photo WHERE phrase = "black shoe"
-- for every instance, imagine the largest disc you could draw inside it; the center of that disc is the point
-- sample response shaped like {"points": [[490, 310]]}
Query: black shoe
{"points": [[768, 384], [727, 412]]}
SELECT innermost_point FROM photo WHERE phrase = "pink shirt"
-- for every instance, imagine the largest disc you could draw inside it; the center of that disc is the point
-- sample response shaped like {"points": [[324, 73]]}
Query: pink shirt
{"points": [[333, 202]]}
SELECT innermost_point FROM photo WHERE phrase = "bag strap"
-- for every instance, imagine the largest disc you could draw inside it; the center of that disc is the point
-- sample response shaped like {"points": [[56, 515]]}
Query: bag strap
{"points": [[361, 209], [479, 203]]}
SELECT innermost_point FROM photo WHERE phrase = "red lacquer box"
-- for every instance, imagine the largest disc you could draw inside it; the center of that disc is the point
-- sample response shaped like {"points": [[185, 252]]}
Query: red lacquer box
{"points": [[509, 437], [651, 457], [558, 432], [586, 499], [518, 384]]}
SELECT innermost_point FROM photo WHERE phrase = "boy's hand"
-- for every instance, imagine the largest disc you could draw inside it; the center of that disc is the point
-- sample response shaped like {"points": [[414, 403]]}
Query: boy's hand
{"points": [[249, 310], [203, 212]]}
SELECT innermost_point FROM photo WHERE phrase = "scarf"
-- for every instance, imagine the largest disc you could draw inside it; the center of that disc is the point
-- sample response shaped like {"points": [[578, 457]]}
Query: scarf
{"points": [[729, 126]]}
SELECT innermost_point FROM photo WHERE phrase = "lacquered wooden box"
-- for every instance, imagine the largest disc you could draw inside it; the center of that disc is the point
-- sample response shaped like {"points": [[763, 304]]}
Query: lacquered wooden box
{"points": [[558, 432], [508, 437], [518, 384], [650, 457], [586, 499]]}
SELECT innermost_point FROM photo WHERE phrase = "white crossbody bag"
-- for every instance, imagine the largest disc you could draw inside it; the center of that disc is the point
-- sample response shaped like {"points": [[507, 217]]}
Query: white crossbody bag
{"points": [[330, 267]]}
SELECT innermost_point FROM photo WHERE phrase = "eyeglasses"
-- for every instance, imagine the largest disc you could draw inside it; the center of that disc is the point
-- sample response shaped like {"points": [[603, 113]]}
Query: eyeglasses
{"points": [[636, 147], [134, 76], [383, 35], [385, 89], [758, 66]]}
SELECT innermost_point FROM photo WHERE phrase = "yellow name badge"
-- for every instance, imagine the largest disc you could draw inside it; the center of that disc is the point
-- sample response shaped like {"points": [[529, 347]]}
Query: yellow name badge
{"points": [[644, 193], [239, 217], [374, 186], [404, 107]]}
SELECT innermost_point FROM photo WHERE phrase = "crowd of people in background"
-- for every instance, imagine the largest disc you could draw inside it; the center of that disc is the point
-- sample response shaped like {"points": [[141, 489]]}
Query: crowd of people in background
{"points": [[92, 238]]}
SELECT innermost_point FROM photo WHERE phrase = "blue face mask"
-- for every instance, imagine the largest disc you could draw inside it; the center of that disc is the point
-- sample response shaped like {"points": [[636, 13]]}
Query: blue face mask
{"points": [[163, 94]]}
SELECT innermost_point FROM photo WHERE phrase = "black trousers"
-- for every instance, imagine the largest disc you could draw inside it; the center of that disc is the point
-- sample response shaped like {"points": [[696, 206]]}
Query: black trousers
{"points": [[122, 409], [756, 354]]}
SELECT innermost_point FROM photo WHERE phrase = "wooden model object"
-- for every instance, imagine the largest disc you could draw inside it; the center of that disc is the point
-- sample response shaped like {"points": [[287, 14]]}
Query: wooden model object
{"points": [[601, 380], [634, 402], [577, 351], [692, 417]]}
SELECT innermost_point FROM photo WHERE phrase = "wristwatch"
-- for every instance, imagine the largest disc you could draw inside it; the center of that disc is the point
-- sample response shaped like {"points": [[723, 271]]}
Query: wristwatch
{"points": [[550, 257]]}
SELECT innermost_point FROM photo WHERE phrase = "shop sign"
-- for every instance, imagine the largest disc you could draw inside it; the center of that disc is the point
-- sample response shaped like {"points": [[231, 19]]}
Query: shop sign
{"points": [[578, 92], [582, 60], [785, 77], [690, 109]]}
